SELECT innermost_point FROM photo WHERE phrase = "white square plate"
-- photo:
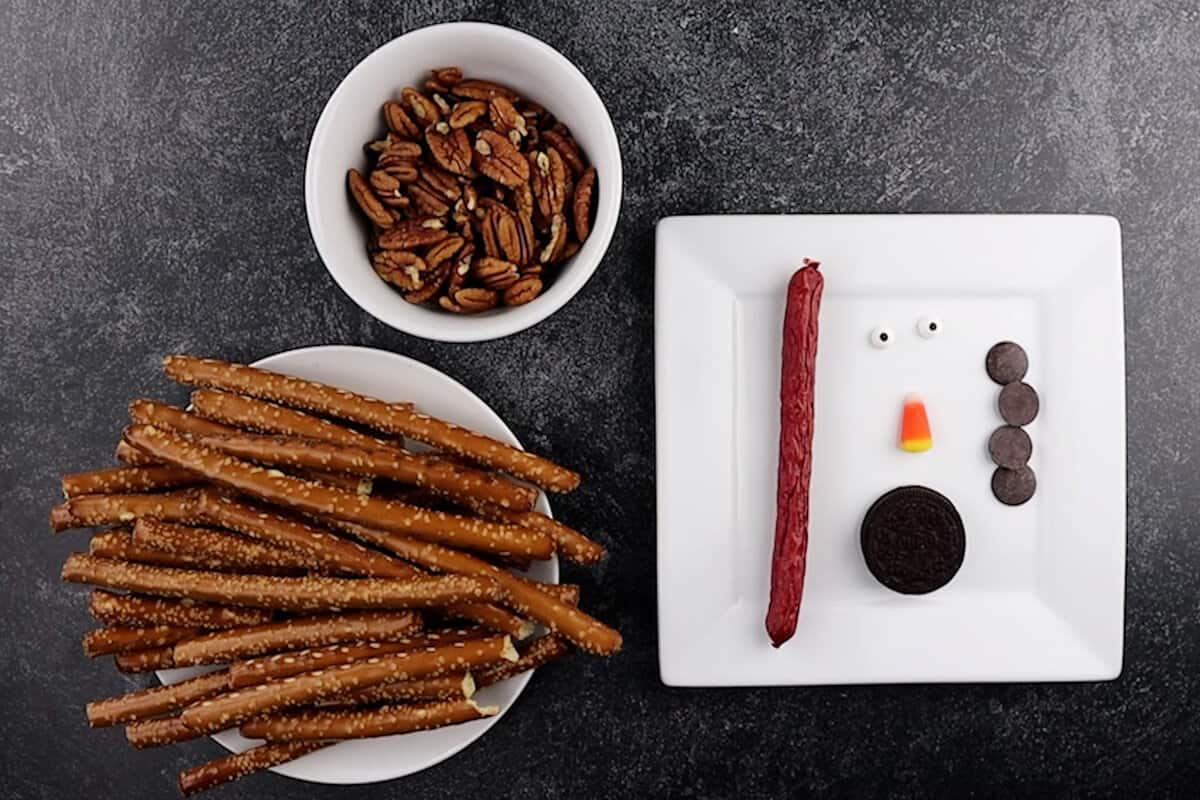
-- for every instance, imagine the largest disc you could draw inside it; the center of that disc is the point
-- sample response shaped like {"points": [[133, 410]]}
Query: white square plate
{"points": [[1040, 595]]}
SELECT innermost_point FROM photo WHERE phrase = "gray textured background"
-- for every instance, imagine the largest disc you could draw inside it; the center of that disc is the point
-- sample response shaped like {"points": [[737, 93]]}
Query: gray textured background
{"points": [[151, 162]]}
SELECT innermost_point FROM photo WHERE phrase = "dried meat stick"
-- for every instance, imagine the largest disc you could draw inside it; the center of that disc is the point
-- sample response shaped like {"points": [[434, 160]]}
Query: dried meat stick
{"points": [[583, 631], [438, 475], [157, 732], [361, 723], [119, 544], [390, 418], [220, 546], [145, 660], [131, 456], [253, 640], [115, 480], [112, 509], [539, 652], [233, 708], [125, 609], [173, 418], [237, 765], [568, 541], [457, 685], [274, 486], [123, 639], [147, 703], [289, 594], [283, 665]]}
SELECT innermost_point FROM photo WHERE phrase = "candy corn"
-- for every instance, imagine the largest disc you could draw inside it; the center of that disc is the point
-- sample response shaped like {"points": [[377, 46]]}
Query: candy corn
{"points": [[914, 425]]}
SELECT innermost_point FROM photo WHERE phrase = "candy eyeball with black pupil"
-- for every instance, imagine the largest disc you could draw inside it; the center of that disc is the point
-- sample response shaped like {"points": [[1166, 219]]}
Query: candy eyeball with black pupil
{"points": [[882, 337], [929, 327]]}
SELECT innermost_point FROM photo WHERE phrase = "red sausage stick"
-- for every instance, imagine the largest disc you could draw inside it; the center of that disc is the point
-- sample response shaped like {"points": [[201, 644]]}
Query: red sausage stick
{"points": [[795, 450]]}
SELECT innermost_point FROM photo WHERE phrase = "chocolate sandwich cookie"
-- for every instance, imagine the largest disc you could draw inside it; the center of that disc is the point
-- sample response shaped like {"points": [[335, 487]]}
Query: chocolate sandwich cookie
{"points": [[1006, 362], [1018, 403], [1010, 446], [913, 540], [1014, 486]]}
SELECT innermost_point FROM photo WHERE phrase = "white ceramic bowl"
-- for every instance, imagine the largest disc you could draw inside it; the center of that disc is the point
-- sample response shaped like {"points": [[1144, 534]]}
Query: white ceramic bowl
{"points": [[352, 117]]}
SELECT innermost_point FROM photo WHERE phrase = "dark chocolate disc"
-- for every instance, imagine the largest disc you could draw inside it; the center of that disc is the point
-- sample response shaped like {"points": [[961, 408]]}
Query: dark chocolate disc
{"points": [[1010, 446], [1006, 362], [1018, 404], [1013, 486], [913, 540]]}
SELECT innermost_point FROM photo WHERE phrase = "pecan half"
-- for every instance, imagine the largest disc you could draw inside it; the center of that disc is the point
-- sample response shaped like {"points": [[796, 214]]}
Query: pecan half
{"points": [[428, 201], [399, 121], [525, 289], [557, 240], [413, 233], [483, 90], [442, 103], [496, 157], [462, 267], [403, 170], [376, 211], [564, 143], [495, 273], [475, 300], [506, 119], [447, 75], [450, 147], [567, 252], [432, 284], [424, 111], [400, 268], [388, 189], [582, 202], [548, 178], [507, 232], [394, 142], [443, 250], [466, 112], [440, 182]]}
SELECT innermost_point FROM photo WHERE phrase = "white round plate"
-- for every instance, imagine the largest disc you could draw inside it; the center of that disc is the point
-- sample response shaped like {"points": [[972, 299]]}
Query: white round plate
{"points": [[391, 377]]}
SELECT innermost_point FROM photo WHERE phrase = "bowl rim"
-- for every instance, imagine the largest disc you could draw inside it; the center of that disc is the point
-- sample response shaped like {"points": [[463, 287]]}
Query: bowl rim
{"points": [[443, 326]]}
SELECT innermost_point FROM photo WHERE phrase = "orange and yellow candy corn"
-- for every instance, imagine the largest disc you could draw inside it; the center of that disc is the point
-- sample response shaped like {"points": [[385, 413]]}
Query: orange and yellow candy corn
{"points": [[915, 436]]}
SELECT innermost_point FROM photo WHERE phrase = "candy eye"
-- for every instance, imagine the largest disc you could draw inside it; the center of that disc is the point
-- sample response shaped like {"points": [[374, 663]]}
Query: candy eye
{"points": [[929, 327], [882, 337]]}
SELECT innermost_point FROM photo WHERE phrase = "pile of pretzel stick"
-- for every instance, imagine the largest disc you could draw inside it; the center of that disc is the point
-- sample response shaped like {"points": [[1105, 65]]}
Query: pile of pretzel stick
{"points": [[346, 586]]}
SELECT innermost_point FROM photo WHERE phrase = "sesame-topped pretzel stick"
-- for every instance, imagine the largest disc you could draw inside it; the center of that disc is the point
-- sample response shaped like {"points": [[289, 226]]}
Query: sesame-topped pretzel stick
{"points": [[157, 732], [123, 639], [493, 617], [147, 703], [233, 708], [290, 594], [457, 685], [334, 553], [390, 418], [524, 597], [220, 546], [311, 497], [129, 455], [145, 660], [539, 652], [361, 723], [127, 609], [438, 475], [115, 480], [91, 510], [283, 665], [568, 541], [562, 592], [237, 765], [119, 544], [253, 640], [173, 418], [251, 413], [349, 483]]}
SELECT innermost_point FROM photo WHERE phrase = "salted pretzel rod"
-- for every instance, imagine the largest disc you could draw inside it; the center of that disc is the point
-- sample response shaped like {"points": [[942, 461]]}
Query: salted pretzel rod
{"points": [[350, 483], [157, 732], [147, 703], [292, 594], [130, 456], [173, 418], [284, 665], [562, 592], [220, 546], [91, 510], [145, 660], [456, 685], [237, 765], [493, 617], [233, 708], [390, 418], [438, 475], [539, 652], [568, 541], [124, 639], [120, 544], [253, 640], [115, 480], [361, 723], [251, 413], [311, 497], [524, 597], [125, 609]]}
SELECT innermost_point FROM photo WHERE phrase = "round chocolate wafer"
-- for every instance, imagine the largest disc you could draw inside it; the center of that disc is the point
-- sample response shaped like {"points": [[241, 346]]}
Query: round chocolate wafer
{"points": [[1010, 446], [1014, 486], [1006, 362], [1018, 403], [913, 540]]}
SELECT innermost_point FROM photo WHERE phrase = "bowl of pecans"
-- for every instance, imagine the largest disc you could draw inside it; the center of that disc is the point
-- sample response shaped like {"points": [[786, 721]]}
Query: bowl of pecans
{"points": [[463, 182]]}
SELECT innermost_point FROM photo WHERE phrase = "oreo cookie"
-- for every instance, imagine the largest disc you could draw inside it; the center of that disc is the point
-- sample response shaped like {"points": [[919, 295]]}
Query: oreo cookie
{"points": [[913, 540], [1014, 487], [1006, 362], [1010, 446], [1018, 403]]}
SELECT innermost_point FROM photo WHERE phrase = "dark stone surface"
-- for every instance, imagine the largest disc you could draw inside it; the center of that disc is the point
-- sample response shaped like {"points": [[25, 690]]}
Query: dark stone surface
{"points": [[151, 161]]}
